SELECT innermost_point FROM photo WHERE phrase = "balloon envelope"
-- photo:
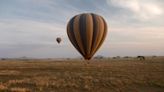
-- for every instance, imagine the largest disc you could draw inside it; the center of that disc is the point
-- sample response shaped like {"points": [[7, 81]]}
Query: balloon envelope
{"points": [[87, 33], [58, 39]]}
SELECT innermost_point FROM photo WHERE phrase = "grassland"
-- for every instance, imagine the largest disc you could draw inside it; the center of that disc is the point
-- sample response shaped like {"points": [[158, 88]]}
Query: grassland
{"points": [[108, 75]]}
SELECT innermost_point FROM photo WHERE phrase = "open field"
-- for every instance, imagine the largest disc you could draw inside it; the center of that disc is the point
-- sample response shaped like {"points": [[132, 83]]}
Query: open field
{"points": [[108, 75]]}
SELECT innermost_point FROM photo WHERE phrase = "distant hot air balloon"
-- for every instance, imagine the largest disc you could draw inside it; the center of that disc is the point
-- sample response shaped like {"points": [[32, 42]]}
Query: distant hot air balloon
{"points": [[87, 33], [58, 39]]}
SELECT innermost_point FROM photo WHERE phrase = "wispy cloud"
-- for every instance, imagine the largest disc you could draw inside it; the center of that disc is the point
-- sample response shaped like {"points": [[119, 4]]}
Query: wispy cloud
{"points": [[29, 32], [144, 9]]}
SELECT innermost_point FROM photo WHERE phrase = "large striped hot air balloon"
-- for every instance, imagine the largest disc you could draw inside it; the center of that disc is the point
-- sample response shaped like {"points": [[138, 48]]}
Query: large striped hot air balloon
{"points": [[87, 33]]}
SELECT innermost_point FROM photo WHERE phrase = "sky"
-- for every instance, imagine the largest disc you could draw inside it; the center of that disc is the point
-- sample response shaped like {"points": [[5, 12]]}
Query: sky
{"points": [[30, 27]]}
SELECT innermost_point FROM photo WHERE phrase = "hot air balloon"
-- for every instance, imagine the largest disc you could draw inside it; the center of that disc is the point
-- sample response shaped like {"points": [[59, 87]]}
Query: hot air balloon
{"points": [[87, 32], [58, 39]]}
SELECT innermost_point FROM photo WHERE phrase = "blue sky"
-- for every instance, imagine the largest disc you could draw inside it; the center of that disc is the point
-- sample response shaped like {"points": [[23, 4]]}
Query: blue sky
{"points": [[30, 27]]}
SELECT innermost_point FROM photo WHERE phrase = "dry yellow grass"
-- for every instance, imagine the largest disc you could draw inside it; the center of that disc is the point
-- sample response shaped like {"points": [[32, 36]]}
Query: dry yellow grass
{"points": [[109, 75], [16, 89], [2, 86]]}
